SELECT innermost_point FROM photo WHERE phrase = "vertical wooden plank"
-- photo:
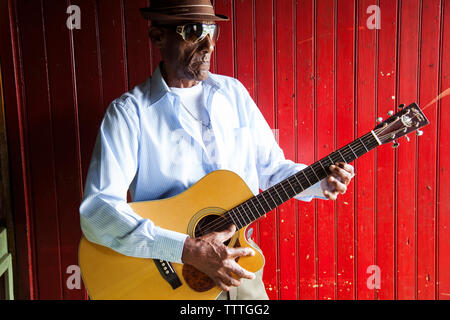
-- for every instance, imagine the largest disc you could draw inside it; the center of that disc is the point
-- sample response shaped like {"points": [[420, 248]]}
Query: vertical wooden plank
{"points": [[385, 174], [244, 48], [426, 165], [285, 122], [41, 151], [10, 60], [325, 143], [139, 58], [406, 177], [443, 206], [264, 20], [112, 48], [365, 180], [244, 44], [225, 45], [305, 141], [65, 134], [345, 101], [88, 79]]}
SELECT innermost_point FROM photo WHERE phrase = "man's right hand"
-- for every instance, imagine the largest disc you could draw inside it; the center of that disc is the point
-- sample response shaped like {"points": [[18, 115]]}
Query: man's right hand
{"points": [[209, 255]]}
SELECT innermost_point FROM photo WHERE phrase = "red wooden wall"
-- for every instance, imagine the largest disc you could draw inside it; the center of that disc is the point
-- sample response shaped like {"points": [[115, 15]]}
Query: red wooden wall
{"points": [[319, 75]]}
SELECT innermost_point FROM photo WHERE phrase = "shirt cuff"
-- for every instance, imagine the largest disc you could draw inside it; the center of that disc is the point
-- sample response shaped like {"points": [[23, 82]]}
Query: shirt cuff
{"points": [[169, 245], [314, 192]]}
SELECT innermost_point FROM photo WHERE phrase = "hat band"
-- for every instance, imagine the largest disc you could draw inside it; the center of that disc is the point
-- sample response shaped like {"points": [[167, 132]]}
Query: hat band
{"points": [[186, 9], [184, 6]]}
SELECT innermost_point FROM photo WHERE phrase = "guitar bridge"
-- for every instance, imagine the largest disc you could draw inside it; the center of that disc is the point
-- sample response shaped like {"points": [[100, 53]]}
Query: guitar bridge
{"points": [[168, 273]]}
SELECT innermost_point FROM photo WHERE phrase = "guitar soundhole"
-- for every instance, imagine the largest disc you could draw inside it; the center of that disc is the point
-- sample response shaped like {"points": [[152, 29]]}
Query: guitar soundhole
{"points": [[210, 224], [196, 279]]}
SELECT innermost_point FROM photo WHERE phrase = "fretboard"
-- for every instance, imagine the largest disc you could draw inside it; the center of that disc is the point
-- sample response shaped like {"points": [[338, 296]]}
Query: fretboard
{"points": [[266, 201]]}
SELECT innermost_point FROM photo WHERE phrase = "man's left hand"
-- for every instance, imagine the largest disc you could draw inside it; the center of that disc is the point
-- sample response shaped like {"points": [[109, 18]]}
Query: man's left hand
{"points": [[337, 182]]}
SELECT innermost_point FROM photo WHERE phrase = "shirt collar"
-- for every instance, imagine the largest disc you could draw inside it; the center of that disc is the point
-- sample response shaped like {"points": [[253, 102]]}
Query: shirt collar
{"points": [[159, 87]]}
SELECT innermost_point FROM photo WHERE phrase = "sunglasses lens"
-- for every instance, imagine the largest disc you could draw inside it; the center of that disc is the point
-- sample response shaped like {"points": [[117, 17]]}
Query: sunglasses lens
{"points": [[196, 32]]}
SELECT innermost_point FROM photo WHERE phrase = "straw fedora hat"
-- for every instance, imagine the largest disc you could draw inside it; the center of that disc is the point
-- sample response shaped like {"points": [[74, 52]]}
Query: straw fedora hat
{"points": [[181, 10]]}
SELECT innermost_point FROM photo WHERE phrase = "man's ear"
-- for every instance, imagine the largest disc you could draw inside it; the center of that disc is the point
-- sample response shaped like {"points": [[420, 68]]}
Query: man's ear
{"points": [[156, 36]]}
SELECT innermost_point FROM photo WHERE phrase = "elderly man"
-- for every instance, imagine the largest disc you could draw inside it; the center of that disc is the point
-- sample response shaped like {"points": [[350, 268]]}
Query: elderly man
{"points": [[167, 133]]}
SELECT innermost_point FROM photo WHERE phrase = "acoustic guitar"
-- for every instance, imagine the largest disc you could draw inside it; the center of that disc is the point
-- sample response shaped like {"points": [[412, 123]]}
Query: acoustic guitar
{"points": [[219, 199]]}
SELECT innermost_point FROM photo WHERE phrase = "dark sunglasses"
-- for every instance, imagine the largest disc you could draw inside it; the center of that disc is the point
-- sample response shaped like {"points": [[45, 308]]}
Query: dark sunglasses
{"points": [[196, 32]]}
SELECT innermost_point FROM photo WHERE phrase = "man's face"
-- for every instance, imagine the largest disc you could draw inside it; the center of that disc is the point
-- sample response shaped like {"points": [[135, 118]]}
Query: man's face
{"points": [[186, 60]]}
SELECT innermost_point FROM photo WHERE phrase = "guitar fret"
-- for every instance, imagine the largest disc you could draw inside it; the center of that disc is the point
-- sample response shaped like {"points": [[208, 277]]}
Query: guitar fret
{"points": [[250, 210], [320, 162], [281, 184], [293, 189], [278, 194], [242, 216], [331, 160], [263, 210], [306, 178], [312, 169], [342, 156], [274, 202], [268, 205], [320, 170], [352, 151], [359, 139], [230, 214]]}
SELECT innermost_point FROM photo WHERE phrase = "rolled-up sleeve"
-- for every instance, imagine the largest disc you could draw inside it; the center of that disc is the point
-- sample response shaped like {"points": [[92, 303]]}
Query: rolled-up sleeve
{"points": [[105, 216]]}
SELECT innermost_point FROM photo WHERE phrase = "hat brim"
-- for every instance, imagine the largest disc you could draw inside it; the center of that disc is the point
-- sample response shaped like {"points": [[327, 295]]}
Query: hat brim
{"points": [[150, 15]]}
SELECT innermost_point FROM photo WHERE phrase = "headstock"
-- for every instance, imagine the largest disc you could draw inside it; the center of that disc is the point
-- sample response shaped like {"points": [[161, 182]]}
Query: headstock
{"points": [[405, 121]]}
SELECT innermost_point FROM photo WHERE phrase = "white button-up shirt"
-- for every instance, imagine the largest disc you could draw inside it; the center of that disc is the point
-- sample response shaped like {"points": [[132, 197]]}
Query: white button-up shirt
{"points": [[148, 144]]}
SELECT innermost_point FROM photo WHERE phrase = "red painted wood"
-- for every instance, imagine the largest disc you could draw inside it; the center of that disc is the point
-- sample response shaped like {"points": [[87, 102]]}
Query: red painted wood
{"points": [[345, 133], [385, 156], [443, 206], [65, 142], [426, 164], [112, 48], [318, 75], [139, 58], [406, 177], [286, 112], [225, 45], [365, 166], [89, 81], [41, 161], [305, 143], [325, 144], [244, 65], [265, 99], [13, 104]]}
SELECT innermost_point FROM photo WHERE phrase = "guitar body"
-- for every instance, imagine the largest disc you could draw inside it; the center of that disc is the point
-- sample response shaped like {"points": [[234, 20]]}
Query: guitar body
{"points": [[113, 276]]}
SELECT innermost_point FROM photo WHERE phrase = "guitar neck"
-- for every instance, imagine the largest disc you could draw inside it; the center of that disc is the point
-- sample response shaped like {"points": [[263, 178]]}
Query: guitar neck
{"points": [[257, 206]]}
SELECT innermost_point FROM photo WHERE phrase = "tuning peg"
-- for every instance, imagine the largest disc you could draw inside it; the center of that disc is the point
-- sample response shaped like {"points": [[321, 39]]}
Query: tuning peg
{"points": [[419, 132], [401, 106], [395, 144], [407, 138], [390, 113], [380, 119]]}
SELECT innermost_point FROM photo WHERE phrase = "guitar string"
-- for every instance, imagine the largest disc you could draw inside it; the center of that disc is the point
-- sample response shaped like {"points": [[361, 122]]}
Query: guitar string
{"points": [[346, 153], [219, 223]]}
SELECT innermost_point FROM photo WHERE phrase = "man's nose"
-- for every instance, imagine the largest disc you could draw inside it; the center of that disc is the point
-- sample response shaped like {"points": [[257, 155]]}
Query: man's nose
{"points": [[207, 45]]}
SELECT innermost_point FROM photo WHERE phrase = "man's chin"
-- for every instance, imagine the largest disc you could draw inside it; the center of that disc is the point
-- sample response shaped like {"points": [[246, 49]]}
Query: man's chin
{"points": [[201, 75]]}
